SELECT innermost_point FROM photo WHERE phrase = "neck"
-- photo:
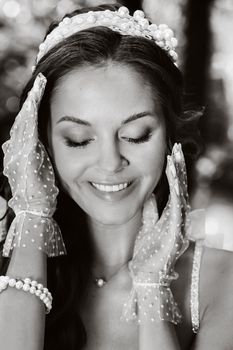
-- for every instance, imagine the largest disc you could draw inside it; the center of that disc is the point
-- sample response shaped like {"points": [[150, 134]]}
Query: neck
{"points": [[113, 245]]}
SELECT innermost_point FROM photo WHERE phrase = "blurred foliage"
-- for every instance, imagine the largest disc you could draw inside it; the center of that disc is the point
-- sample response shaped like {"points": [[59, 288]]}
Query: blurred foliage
{"points": [[22, 27]]}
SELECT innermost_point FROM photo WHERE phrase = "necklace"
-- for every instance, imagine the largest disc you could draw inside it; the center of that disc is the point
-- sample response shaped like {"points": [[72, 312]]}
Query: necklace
{"points": [[150, 217], [101, 281]]}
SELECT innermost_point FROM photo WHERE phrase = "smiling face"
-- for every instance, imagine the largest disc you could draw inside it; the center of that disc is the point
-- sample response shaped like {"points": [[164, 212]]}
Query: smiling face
{"points": [[107, 139]]}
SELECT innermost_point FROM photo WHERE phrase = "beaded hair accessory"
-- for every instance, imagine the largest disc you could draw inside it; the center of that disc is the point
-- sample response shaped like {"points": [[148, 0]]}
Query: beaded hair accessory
{"points": [[32, 181], [119, 21]]}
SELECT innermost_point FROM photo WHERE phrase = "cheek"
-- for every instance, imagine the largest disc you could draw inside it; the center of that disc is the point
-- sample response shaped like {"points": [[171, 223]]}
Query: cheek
{"points": [[69, 166], [151, 157]]}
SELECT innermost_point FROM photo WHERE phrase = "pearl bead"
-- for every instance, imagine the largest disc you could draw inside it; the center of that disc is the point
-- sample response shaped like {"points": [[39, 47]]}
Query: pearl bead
{"points": [[123, 11], [144, 23], [38, 292], [153, 27], [160, 44], [163, 26], [42, 46], [26, 287], [5, 278], [46, 300], [168, 34], [173, 54], [67, 20], [40, 286], [174, 42], [157, 35], [3, 285], [100, 282], [34, 283], [42, 296], [19, 285], [138, 14]]}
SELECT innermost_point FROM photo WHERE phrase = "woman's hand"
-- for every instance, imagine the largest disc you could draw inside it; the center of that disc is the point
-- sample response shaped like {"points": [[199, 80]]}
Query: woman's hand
{"points": [[26, 163], [157, 248], [32, 181]]}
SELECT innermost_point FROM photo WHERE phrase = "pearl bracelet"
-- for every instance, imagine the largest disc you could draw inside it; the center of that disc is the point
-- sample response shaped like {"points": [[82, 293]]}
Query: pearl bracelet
{"points": [[28, 285]]}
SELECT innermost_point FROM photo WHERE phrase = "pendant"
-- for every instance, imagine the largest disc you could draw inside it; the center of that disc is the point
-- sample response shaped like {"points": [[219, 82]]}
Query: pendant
{"points": [[100, 282]]}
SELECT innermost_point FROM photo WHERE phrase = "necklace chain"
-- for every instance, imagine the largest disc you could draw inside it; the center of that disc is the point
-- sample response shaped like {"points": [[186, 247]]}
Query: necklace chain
{"points": [[101, 281]]}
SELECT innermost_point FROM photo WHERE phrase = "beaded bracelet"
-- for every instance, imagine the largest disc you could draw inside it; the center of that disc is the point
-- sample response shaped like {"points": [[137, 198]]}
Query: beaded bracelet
{"points": [[28, 285]]}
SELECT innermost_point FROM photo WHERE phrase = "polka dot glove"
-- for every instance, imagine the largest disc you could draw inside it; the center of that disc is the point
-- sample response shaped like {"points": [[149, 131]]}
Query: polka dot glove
{"points": [[32, 181], [157, 247]]}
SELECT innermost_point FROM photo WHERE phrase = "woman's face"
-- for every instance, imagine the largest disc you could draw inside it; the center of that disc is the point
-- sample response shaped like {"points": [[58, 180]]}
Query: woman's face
{"points": [[107, 139]]}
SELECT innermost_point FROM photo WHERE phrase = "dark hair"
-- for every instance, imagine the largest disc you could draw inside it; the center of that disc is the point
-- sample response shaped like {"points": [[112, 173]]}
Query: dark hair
{"points": [[68, 275]]}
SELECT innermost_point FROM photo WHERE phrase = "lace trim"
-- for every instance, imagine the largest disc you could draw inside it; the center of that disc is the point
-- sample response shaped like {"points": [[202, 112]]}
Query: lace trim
{"points": [[194, 298]]}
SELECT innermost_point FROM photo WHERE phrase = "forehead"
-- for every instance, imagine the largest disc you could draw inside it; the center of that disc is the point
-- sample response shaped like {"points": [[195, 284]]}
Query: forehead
{"points": [[112, 91]]}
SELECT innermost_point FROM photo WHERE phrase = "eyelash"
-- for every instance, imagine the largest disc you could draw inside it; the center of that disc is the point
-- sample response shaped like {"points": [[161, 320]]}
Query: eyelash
{"points": [[71, 143], [143, 138]]}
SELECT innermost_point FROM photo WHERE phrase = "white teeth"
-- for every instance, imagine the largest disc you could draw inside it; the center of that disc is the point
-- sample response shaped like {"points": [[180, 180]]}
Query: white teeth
{"points": [[113, 188]]}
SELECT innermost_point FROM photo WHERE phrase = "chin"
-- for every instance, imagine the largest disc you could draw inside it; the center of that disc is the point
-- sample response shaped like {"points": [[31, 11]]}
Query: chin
{"points": [[113, 216], [114, 208]]}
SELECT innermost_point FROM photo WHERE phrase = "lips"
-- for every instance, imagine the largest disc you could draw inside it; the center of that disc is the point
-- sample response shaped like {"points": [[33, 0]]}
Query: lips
{"points": [[111, 188], [112, 192]]}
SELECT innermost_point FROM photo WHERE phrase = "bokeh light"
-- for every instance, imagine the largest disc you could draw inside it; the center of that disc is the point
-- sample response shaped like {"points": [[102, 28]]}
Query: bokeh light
{"points": [[11, 8]]}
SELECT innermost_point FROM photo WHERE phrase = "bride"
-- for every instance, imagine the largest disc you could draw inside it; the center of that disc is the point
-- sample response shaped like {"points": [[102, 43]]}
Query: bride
{"points": [[128, 269]]}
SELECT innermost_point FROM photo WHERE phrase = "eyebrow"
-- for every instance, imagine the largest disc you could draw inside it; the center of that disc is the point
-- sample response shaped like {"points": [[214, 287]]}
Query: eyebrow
{"points": [[79, 121]]}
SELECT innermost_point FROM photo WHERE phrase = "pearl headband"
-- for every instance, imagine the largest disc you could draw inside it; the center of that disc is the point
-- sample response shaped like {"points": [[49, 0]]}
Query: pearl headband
{"points": [[119, 21]]}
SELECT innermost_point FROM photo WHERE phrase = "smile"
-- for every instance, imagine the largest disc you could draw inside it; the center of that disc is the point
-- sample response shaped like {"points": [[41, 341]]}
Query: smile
{"points": [[111, 188]]}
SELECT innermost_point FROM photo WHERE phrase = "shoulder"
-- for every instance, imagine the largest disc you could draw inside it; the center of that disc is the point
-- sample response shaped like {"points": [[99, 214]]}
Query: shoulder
{"points": [[215, 278], [215, 298], [216, 275], [216, 301], [216, 263]]}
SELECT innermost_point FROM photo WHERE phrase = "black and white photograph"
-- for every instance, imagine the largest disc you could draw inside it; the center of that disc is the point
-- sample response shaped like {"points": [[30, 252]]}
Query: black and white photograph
{"points": [[116, 175]]}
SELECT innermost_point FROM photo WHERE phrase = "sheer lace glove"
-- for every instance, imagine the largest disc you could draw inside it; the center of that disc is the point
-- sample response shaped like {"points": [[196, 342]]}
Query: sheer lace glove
{"points": [[157, 247], [32, 181]]}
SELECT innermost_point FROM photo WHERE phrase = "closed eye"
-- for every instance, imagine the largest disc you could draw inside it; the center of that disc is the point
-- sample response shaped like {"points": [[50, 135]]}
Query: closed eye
{"points": [[143, 138], [82, 144]]}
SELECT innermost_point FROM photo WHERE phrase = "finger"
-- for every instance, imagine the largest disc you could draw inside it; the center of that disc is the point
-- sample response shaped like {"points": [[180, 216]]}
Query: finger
{"points": [[175, 202], [32, 105], [23, 131], [179, 206], [171, 219], [24, 136], [179, 163]]}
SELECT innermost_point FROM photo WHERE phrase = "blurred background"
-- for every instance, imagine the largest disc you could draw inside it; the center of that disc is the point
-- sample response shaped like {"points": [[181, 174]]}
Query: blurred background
{"points": [[204, 29]]}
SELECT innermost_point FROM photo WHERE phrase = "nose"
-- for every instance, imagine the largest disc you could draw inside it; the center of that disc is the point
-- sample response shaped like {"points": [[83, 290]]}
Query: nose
{"points": [[110, 159]]}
